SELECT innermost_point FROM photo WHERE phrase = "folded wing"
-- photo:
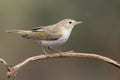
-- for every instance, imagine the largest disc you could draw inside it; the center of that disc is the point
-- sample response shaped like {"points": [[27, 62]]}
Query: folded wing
{"points": [[41, 33]]}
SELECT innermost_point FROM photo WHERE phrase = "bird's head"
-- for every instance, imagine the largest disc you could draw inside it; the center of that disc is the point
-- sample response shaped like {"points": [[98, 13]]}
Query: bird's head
{"points": [[69, 23]]}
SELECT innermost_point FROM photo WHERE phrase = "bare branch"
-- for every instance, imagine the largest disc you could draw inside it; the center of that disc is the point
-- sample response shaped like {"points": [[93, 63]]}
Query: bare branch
{"points": [[5, 64], [16, 68]]}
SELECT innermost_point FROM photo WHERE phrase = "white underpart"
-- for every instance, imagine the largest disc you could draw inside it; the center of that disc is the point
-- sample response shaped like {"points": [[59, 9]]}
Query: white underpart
{"points": [[62, 40]]}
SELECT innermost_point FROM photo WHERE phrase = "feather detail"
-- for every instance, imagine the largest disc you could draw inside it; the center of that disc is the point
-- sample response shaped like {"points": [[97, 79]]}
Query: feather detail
{"points": [[41, 35], [21, 32]]}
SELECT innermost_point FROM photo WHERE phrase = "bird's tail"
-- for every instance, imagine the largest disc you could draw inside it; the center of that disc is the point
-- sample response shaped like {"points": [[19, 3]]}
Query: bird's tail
{"points": [[21, 32]]}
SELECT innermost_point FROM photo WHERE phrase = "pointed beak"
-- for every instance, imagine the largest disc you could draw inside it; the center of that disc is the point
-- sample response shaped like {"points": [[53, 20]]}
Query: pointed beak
{"points": [[78, 22]]}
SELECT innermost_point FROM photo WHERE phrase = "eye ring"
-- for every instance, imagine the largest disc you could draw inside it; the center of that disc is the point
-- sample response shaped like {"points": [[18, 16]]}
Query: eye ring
{"points": [[70, 22]]}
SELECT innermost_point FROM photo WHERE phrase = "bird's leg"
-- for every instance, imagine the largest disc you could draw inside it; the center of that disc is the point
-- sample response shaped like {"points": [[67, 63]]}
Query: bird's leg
{"points": [[42, 49], [57, 50]]}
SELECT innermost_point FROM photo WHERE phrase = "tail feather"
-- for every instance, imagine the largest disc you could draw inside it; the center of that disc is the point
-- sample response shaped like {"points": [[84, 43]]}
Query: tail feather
{"points": [[21, 32], [11, 31]]}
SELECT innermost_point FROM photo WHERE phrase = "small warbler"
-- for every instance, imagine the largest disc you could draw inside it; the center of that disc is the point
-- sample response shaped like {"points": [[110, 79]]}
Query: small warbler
{"points": [[51, 35]]}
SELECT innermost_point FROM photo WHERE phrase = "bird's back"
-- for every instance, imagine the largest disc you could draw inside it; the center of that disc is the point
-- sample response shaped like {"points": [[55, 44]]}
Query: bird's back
{"points": [[39, 33]]}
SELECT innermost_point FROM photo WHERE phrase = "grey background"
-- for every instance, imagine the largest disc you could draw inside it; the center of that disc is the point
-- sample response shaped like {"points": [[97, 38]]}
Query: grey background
{"points": [[99, 34]]}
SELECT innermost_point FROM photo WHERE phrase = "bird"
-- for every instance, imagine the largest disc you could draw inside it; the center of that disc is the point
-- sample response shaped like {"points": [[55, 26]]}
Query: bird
{"points": [[49, 36]]}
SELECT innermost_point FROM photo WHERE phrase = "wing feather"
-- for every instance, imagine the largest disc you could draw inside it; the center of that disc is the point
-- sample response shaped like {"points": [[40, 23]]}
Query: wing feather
{"points": [[41, 33]]}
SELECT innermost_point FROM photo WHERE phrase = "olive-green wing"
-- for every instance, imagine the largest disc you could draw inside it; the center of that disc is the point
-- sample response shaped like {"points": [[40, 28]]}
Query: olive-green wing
{"points": [[41, 34]]}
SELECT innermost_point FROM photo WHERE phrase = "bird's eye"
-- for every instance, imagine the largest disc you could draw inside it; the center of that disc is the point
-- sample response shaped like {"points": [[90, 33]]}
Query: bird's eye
{"points": [[70, 22]]}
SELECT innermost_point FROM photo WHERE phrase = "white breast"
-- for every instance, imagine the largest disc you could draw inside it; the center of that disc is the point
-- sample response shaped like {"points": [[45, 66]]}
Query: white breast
{"points": [[62, 40]]}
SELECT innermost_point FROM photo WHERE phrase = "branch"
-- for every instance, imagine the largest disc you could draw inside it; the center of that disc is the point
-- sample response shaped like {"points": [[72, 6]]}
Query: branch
{"points": [[5, 64], [16, 68]]}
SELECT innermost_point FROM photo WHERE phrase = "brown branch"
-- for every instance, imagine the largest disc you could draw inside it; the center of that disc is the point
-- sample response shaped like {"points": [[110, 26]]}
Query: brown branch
{"points": [[5, 64], [16, 68]]}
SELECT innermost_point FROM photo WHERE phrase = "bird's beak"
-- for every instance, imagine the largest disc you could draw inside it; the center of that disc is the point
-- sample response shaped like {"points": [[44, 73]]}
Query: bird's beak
{"points": [[78, 22]]}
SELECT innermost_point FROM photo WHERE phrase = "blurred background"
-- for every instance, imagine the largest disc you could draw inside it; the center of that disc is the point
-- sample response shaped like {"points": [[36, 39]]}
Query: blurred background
{"points": [[99, 33]]}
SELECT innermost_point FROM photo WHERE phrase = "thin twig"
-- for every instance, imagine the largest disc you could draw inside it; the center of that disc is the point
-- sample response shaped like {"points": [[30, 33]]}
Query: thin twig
{"points": [[16, 68], [5, 64]]}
